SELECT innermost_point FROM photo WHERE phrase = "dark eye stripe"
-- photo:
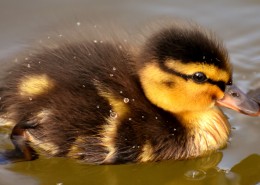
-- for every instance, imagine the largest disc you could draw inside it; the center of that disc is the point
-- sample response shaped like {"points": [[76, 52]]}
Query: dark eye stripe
{"points": [[221, 84]]}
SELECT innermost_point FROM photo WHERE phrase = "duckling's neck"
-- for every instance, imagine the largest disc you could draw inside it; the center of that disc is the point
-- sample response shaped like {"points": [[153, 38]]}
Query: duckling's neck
{"points": [[206, 130]]}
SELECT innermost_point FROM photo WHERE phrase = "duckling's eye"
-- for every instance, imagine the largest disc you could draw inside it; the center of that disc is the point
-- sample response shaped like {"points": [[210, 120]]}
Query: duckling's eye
{"points": [[199, 77]]}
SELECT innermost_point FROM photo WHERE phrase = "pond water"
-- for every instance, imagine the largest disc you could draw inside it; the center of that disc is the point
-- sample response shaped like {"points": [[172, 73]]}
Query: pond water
{"points": [[237, 22]]}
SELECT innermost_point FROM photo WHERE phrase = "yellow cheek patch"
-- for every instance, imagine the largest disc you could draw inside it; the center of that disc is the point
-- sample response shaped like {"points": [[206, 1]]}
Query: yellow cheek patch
{"points": [[158, 93], [211, 71], [35, 85], [182, 95], [198, 96]]}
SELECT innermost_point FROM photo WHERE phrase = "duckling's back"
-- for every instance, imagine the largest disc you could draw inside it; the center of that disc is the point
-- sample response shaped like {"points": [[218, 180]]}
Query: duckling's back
{"points": [[81, 100]]}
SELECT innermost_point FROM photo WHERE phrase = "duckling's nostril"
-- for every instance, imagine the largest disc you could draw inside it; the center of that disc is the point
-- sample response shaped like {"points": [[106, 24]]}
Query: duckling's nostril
{"points": [[234, 94]]}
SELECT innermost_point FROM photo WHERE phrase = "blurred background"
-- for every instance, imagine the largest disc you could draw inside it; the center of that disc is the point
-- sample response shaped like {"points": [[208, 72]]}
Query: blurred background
{"points": [[237, 22]]}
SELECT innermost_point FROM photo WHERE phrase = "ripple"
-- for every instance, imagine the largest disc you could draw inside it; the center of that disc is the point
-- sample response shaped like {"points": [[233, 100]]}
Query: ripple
{"points": [[195, 174]]}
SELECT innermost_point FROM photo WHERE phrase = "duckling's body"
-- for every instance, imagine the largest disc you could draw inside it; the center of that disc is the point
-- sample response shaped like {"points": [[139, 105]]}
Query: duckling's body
{"points": [[94, 102]]}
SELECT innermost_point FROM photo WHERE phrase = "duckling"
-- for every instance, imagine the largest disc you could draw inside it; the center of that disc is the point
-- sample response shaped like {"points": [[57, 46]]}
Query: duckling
{"points": [[104, 104]]}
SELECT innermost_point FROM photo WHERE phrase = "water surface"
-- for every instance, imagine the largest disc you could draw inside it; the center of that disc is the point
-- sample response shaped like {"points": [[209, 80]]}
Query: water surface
{"points": [[237, 22]]}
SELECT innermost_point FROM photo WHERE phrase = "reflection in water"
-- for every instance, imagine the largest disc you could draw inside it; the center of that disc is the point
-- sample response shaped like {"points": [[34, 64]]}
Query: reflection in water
{"points": [[236, 21], [248, 170], [9, 178], [52, 171], [198, 171]]}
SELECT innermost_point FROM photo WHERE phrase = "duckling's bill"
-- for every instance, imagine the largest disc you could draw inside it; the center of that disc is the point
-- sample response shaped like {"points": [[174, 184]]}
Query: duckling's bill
{"points": [[235, 99]]}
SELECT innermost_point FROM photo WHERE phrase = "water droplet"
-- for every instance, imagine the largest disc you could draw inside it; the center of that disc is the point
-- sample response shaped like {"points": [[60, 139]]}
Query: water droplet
{"points": [[203, 57], [83, 86], [174, 129], [111, 75], [114, 68], [95, 41], [195, 174], [156, 117], [30, 98], [120, 47], [39, 62], [233, 177], [28, 65], [126, 100], [113, 114], [143, 117], [224, 170], [60, 35], [48, 37], [74, 57], [26, 58], [129, 119], [78, 23], [121, 92], [98, 106], [133, 147]]}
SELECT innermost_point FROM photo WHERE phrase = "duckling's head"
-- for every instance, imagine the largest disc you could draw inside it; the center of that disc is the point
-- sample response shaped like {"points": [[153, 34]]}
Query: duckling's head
{"points": [[184, 69]]}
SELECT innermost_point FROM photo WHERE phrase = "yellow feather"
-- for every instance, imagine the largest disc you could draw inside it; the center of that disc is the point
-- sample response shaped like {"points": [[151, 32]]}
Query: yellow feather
{"points": [[35, 85]]}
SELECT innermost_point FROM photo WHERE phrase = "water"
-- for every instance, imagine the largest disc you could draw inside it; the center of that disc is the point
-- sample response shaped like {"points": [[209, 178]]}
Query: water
{"points": [[236, 21]]}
